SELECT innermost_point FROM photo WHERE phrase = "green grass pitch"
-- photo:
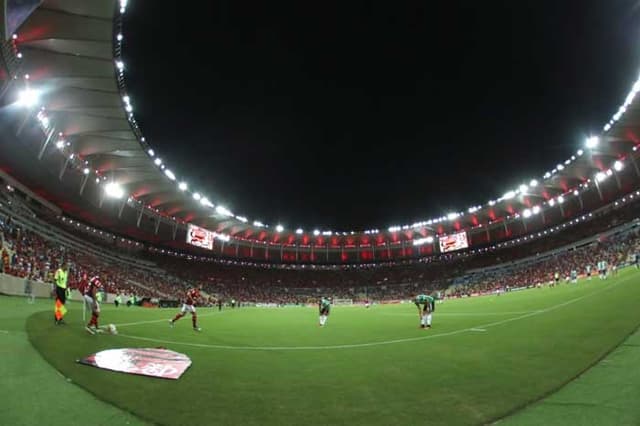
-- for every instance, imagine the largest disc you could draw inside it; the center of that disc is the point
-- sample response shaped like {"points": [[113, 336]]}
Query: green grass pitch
{"points": [[484, 359]]}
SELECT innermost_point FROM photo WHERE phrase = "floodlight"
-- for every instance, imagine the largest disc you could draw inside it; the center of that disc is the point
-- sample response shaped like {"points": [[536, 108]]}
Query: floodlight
{"points": [[279, 228], [533, 183], [158, 161], [120, 65], [526, 213], [113, 190], [592, 142], [151, 152], [600, 176], [618, 165], [299, 231], [316, 232], [60, 144], [560, 199], [523, 188], [28, 97], [170, 174], [535, 209], [182, 186], [196, 196], [509, 195], [86, 171]]}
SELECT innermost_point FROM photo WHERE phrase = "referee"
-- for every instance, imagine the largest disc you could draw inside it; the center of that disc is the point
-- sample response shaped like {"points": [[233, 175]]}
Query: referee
{"points": [[60, 278]]}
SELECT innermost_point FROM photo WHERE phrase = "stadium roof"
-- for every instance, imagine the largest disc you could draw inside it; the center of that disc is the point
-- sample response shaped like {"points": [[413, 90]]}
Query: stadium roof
{"points": [[68, 52]]}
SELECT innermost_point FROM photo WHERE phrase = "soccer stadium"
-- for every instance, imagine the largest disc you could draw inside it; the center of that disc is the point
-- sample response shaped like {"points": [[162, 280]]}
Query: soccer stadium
{"points": [[132, 293]]}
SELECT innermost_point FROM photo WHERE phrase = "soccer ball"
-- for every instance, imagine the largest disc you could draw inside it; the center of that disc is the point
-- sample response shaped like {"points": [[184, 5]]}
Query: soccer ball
{"points": [[112, 329]]}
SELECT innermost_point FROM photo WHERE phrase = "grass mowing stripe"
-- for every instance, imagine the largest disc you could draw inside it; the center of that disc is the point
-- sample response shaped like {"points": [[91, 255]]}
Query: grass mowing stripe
{"points": [[387, 342]]}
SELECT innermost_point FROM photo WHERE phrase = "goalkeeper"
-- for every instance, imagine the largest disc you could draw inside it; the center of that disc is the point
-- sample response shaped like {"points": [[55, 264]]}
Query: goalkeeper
{"points": [[426, 306]]}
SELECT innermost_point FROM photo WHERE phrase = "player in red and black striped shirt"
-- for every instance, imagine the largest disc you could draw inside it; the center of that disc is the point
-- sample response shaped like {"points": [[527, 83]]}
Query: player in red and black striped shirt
{"points": [[91, 301], [189, 305]]}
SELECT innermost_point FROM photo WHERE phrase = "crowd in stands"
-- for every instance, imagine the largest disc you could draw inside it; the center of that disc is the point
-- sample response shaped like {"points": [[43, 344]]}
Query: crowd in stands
{"points": [[27, 253]]}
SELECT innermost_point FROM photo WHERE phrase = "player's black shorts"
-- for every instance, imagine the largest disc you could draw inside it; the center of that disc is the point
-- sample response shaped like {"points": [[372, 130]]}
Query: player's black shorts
{"points": [[428, 307], [61, 294], [324, 311]]}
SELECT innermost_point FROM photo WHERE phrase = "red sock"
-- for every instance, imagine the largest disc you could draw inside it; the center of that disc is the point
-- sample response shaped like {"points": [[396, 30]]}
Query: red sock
{"points": [[194, 320], [180, 315]]}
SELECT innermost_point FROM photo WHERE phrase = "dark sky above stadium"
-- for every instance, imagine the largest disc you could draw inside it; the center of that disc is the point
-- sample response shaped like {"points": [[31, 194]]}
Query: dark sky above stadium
{"points": [[357, 114]]}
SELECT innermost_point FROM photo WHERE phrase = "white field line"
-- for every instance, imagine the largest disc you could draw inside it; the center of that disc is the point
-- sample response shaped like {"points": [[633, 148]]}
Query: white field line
{"points": [[382, 343], [125, 324], [4, 331], [463, 314], [477, 329]]}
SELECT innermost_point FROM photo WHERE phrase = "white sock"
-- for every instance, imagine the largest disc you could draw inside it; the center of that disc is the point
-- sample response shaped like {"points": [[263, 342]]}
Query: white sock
{"points": [[429, 319], [423, 320], [320, 320], [324, 321]]}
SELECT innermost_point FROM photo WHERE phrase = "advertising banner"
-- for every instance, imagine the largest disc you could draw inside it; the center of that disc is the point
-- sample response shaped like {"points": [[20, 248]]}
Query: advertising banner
{"points": [[153, 362]]}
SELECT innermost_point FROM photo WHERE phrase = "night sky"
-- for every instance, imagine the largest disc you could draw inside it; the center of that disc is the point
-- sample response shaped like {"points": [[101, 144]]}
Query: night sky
{"points": [[351, 115]]}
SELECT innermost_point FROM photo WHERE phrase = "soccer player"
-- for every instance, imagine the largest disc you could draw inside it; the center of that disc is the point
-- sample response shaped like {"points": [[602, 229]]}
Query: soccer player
{"points": [[324, 306], [588, 269], [574, 276], [91, 301], [426, 305], [189, 305]]}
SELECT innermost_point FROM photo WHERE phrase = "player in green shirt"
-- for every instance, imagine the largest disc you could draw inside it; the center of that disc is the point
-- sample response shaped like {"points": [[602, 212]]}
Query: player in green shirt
{"points": [[426, 305], [324, 306]]}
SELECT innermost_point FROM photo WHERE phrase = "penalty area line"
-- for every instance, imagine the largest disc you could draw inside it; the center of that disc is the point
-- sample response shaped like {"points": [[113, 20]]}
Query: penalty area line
{"points": [[371, 344]]}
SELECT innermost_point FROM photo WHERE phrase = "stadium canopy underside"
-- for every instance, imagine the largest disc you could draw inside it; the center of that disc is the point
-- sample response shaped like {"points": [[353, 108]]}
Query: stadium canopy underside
{"points": [[84, 139]]}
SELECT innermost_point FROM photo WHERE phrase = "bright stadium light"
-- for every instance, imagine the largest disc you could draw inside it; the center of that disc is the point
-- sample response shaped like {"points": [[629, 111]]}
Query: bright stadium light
{"points": [[560, 199], [601, 176], [120, 65], [316, 232], [86, 171], [113, 190], [223, 211], [158, 161], [279, 228], [205, 202], [258, 224], [28, 98], [526, 213], [394, 228], [182, 186], [119, 37], [533, 183], [552, 202], [170, 174], [151, 152], [523, 188], [299, 231], [60, 144], [592, 142], [535, 209], [242, 219], [452, 216], [560, 167], [618, 165], [509, 195], [197, 196]]}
